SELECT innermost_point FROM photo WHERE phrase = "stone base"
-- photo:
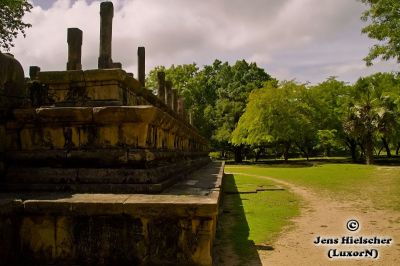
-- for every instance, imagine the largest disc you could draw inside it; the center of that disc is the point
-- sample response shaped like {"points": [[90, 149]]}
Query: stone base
{"points": [[176, 227], [98, 180]]}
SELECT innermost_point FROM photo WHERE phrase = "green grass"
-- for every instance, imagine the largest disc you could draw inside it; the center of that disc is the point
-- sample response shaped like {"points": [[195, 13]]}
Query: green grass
{"points": [[256, 218], [377, 184], [251, 221]]}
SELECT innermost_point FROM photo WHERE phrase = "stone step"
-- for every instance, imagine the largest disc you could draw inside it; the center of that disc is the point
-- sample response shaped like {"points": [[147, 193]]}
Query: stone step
{"points": [[140, 158], [123, 180], [93, 188]]}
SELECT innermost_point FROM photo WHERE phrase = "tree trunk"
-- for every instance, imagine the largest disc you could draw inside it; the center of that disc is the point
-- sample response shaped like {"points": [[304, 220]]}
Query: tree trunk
{"points": [[369, 150], [352, 144], [379, 152], [286, 151], [387, 148], [306, 153], [397, 149], [238, 154], [303, 150], [328, 151], [258, 155]]}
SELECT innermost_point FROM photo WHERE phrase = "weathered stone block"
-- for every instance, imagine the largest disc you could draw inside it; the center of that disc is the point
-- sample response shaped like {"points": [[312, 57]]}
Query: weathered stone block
{"points": [[97, 75], [25, 115], [109, 157], [88, 135], [58, 95], [117, 114], [53, 137], [31, 138], [132, 84], [64, 77], [118, 176], [65, 114], [12, 140], [105, 92], [44, 175], [108, 136], [131, 134]]}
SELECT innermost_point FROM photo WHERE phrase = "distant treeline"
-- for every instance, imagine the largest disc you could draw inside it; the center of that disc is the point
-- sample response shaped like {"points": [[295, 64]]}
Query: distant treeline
{"points": [[240, 108]]}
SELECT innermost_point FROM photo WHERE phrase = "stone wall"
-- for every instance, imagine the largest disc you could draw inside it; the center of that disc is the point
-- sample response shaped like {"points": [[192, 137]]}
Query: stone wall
{"points": [[176, 227], [97, 131], [129, 149]]}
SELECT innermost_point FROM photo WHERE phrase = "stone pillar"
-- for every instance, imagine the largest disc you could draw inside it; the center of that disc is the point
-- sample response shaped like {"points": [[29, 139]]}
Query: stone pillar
{"points": [[190, 117], [74, 39], [34, 72], [168, 93], [181, 107], [161, 86], [175, 100], [106, 16], [141, 65]]}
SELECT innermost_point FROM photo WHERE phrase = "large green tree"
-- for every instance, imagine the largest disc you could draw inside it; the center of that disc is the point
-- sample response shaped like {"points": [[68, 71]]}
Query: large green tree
{"points": [[331, 102], [278, 115], [11, 23], [216, 96], [384, 19], [373, 112], [234, 84]]}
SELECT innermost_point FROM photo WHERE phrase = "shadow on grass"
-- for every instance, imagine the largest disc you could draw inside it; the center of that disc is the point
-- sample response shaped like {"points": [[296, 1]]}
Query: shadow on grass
{"points": [[233, 230]]}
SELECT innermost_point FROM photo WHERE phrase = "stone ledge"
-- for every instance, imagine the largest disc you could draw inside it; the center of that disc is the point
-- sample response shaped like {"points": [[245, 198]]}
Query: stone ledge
{"points": [[104, 157], [113, 229], [200, 188], [97, 75], [101, 115]]}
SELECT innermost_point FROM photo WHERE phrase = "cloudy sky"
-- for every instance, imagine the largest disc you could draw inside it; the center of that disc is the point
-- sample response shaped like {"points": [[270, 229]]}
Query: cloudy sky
{"points": [[306, 40]]}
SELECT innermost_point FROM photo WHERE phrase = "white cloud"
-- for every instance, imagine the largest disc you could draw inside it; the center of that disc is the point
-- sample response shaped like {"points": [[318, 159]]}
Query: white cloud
{"points": [[309, 40]]}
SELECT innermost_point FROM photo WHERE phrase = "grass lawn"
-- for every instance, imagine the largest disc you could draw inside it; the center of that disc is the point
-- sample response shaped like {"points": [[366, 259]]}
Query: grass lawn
{"points": [[377, 185], [252, 221]]}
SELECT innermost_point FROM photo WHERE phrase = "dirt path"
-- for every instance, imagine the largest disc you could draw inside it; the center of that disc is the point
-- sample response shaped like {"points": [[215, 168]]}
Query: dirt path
{"points": [[328, 217]]}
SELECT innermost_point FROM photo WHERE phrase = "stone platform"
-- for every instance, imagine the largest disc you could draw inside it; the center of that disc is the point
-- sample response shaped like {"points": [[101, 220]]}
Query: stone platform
{"points": [[176, 227], [114, 149]]}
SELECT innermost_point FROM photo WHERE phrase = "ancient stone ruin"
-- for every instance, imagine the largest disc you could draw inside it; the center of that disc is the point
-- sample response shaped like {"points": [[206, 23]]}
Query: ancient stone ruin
{"points": [[97, 170]]}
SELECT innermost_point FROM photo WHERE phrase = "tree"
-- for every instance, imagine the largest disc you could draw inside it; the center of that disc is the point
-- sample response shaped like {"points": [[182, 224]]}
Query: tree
{"points": [[277, 115], [216, 96], [11, 13], [373, 111], [234, 84], [332, 102], [384, 18], [180, 76], [386, 94], [327, 140]]}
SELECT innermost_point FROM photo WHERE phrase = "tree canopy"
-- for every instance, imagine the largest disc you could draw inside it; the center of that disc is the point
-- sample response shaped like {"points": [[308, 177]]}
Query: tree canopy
{"points": [[216, 95], [11, 23], [295, 118], [384, 19]]}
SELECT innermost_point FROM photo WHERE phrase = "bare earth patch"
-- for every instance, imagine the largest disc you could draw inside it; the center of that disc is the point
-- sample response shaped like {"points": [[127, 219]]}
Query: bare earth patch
{"points": [[327, 217]]}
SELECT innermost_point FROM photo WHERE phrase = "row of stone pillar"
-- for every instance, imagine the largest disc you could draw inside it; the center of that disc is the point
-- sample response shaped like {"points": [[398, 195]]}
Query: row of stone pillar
{"points": [[74, 39], [168, 95]]}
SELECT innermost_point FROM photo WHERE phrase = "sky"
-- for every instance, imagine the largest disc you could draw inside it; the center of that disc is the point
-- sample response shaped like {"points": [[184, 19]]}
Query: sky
{"points": [[305, 40]]}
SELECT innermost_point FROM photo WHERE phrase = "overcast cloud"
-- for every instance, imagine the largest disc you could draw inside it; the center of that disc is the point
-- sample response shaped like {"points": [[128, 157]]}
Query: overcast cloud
{"points": [[306, 40]]}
